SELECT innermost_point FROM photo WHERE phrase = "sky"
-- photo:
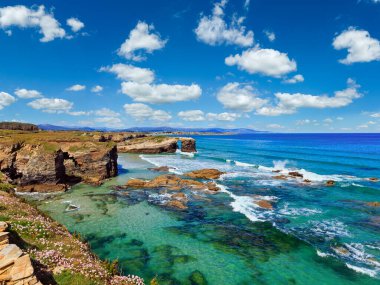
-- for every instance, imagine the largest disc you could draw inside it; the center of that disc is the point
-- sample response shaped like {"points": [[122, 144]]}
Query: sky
{"points": [[270, 65]]}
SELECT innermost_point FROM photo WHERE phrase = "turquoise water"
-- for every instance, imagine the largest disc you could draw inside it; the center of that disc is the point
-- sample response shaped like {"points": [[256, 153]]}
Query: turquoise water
{"points": [[314, 235]]}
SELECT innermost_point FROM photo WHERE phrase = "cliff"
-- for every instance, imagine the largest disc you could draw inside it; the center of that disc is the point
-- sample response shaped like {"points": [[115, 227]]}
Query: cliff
{"points": [[156, 144], [49, 161]]}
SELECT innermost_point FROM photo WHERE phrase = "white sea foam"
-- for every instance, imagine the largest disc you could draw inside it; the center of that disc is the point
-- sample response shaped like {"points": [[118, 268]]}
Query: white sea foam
{"points": [[369, 272], [329, 228], [322, 254], [244, 164], [287, 211], [190, 154]]}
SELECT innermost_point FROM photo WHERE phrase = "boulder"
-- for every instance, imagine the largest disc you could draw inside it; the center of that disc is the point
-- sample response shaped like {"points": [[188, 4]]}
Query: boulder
{"points": [[264, 204], [176, 204], [373, 179], [180, 197], [188, 145], [197, 278], [307, 181], [330, 183], [8, 255], [3, 226], [207, 173], [295, 174], [211, 186], [373, 204], [21, 269], [135, 183], [280, 177]]}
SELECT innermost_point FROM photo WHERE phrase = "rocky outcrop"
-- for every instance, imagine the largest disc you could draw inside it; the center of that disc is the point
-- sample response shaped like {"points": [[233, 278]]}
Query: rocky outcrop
{"points": [[149, 145], [208, 173], [40, 168], [188, 145], [171, 182], [15, 266], [373, 204], [160, 169]]}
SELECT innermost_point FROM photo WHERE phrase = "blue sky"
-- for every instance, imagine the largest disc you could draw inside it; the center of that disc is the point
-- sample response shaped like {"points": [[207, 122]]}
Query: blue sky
{"points": [[276, 65]]}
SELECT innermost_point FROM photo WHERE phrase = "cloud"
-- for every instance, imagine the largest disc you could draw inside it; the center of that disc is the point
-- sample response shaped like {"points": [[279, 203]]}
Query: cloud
{"points": [[289, 103], [375, 115], [143, 39], [110, 122], [303, 122], [6, 100], [295, 79], [268, 62], [214, 30], [76, 87], [192, 115], [78, 113], [270, 35], [75, 24], [359, 44], [130, 73], [199, 115], [27, 94], [51, 105], [227, 117], [97, 89], [160, 93], [105, 112], [328, 121], [275, 126], [239, 97], [142, 112], [36, 17]]}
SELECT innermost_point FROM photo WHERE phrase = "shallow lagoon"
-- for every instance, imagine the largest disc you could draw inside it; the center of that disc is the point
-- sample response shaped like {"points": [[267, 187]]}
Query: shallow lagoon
{"points": [[212, 244]]}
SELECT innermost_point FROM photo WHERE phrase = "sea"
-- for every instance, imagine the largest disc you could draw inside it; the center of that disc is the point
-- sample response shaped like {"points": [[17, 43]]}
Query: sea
{"points": [[314, 234]]}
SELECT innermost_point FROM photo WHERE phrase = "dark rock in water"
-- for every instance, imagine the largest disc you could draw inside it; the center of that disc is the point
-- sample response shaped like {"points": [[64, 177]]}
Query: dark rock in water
{"points": [[373, 179], [71, 207], [295, 174], [188, 145], [197, 278], [330, 183], [281, 221], [208, 173], [280, 177], [159, 169]]}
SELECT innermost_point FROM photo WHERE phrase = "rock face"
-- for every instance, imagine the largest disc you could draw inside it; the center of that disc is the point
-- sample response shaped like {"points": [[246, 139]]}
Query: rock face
{"points": [[188, 145], [18, 126], [148, 145], [205, 174], [15, 267], [35, 167]]}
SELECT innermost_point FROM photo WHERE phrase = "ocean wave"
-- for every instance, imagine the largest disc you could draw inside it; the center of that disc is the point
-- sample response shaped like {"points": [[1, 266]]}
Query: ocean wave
{"points": [[328, 229], [287, 211], [370, 272], [190, 154]]}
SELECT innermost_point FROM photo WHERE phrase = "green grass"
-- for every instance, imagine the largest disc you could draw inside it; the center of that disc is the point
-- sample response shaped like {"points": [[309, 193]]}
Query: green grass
{"points": [[68, 277]]}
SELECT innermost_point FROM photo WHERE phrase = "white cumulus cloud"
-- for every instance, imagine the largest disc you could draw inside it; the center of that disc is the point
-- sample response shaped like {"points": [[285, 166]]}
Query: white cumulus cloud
{"points": [[51, 105], [36, 17], [6, 100], [295, 79], [192, 115], [268, 62], [141, 39], [142, 112], [225, 116], [270, 35], [75, 24], [130, 73], [76, 87], [236, 96], [214, 30], [97, 89], [27, 94], [360, 45], [160, 93], [290, 103]]}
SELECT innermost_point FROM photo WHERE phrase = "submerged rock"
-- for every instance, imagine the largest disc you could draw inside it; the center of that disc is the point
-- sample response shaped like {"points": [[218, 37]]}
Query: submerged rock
{"points": [[208, 173], [197, 278], [330, 183], [160, 169], [280, 177], [373, 204], [373, 179], [135, 183]]}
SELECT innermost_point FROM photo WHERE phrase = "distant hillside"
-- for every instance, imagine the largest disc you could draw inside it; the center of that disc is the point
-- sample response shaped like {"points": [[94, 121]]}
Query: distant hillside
{"points": [[152, 129], [18, 126]]}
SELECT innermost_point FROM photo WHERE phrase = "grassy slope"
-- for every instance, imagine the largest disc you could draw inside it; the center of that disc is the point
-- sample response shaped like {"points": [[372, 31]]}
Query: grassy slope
{"points": [[59, 257]]}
